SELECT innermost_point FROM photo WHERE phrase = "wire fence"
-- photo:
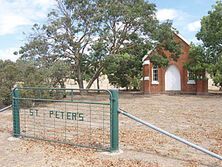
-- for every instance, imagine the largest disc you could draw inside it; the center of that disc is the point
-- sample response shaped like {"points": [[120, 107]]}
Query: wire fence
{"points": [[76, 117]]}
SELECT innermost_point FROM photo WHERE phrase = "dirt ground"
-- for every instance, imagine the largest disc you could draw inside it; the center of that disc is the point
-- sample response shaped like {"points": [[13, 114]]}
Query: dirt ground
{"points": [[196, 118]]}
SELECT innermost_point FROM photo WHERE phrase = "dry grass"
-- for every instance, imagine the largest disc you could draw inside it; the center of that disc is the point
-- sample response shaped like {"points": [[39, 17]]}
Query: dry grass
{"points": [[196, 118]]}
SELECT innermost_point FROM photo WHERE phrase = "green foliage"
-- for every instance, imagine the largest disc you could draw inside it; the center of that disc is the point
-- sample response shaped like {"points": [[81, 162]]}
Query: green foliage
{"points": [[197, 63], [8, 76], [211, 34], [216, 72], [29, 74], [94, 60], [58, 72], [160, 60], [165, 37], [25, 73], [123, 70]]}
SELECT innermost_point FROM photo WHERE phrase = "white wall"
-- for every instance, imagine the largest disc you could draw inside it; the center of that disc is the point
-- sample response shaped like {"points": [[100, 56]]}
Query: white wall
{"points": [[104, 83], [211, 83]]}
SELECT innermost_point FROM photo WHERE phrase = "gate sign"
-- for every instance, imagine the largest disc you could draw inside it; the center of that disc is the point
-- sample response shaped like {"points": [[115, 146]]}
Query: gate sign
{"points": [[60, 115]]}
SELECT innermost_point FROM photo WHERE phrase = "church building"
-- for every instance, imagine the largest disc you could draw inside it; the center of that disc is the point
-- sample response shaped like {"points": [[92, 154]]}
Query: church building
{"points": [[175, 77]]}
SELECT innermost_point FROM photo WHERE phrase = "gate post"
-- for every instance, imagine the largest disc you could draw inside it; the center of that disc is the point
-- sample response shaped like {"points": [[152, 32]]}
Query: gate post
{"points": [[114, 121], [16, 119]]}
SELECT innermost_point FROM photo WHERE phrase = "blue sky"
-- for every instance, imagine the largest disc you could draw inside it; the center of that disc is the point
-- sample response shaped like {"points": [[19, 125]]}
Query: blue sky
{"points": [[186, 14], [18, 16]]}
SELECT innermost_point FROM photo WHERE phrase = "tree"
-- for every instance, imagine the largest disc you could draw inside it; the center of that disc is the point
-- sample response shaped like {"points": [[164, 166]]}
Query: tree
{"points": [[123, 70], [215, 71], [27, 74], [94, 61], [165, 35], [211, 34], [121, 27], [131, 27], [58, 73], [8, 77], [197, 63], [66, 36], [12, 73], [31, 75]]}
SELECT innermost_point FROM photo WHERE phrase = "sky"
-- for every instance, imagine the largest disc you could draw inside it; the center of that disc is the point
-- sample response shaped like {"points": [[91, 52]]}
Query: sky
{"points": [[18, 16]]}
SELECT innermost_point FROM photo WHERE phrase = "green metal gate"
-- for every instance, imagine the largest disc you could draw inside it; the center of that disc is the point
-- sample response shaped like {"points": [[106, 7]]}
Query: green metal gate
{"points": [[87, 118]]}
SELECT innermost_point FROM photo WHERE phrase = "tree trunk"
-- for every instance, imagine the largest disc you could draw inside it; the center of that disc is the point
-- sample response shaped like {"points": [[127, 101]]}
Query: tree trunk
{"points": [[98, 87], [80, 83], [220, 89], [96, 75], [79, 75], [62, 85]]}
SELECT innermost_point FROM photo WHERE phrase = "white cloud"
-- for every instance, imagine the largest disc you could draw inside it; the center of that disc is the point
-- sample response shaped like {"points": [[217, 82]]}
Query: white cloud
{"points": [[194, 26], [9, 23], [182, 21], [17, 13], [167, 14], [195, 41], [7, 54]]}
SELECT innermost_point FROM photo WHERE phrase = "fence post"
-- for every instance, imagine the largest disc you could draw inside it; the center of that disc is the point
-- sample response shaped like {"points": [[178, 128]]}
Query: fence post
{"points": [[15, 105], [114, 127]]}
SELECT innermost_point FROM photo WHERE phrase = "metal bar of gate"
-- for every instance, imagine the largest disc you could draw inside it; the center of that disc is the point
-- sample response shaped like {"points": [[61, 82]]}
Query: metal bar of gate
{"points": [[170, 135], [6, 108]]}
